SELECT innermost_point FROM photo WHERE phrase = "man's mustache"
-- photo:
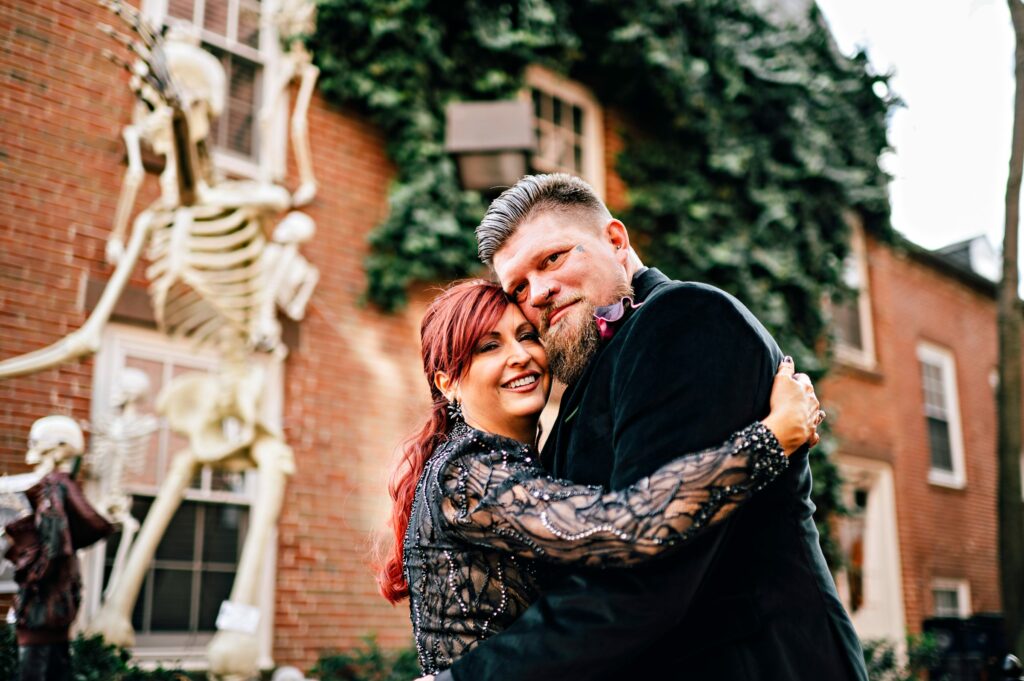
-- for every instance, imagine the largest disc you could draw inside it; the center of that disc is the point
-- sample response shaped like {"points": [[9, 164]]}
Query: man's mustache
{"points": [[549, 309]]}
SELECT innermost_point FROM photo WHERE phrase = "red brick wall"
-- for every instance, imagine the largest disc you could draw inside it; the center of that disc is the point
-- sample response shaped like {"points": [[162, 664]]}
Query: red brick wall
{"points": [[943, 533]]}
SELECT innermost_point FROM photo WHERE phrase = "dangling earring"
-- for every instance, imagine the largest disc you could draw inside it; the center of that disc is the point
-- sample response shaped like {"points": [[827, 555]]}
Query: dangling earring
{"points": [[454, 411]]}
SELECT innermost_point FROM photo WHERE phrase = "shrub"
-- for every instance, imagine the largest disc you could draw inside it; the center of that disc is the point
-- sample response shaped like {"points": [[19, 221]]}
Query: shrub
{"points": [[367, 663]]}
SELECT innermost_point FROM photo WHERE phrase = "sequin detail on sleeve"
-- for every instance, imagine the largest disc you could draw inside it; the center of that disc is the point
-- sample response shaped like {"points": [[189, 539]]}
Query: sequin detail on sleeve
{"points": [[500, 499]]}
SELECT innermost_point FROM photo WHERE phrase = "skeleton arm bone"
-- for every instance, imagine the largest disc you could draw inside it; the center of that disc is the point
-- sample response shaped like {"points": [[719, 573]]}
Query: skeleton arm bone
{"points": [[129, 190], [300, 135], [86, 340]]}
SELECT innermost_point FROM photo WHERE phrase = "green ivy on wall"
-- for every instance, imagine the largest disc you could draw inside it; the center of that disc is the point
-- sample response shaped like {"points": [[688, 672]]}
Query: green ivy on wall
{"points": [[747, 142]]}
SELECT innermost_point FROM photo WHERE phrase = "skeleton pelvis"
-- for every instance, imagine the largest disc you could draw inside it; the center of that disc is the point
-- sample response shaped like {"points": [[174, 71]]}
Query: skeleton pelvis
{"points": [[218, 413]]}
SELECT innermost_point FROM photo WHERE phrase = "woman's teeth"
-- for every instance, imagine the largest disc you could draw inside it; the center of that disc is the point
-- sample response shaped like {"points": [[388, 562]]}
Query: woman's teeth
{"points": [[520, 382]]}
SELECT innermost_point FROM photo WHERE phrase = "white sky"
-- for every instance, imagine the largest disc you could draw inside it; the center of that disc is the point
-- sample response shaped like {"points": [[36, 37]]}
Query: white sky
{"points": [[953, 66]]}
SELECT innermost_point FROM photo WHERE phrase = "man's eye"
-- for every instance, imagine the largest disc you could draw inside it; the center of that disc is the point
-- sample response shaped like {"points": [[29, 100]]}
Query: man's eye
{"points": [[553, 258], [518, 292]]}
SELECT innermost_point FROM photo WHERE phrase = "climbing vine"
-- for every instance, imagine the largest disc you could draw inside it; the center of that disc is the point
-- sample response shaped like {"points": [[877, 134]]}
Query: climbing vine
{"points": [[748, 142]]}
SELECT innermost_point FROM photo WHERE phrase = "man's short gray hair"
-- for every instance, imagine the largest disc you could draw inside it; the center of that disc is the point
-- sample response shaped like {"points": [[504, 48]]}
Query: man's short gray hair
{"points": [[528, 198]]}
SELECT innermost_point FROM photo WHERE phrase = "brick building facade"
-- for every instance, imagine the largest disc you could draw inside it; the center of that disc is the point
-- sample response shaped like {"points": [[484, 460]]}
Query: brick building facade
{"points": [[352, 385], [915, 414]]}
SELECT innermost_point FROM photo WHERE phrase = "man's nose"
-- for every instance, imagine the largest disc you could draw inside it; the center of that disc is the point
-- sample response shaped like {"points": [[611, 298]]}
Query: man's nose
{"points": [[542, 292]]}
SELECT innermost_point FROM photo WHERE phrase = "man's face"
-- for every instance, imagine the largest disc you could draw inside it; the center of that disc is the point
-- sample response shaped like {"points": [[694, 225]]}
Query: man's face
{"points": [[558, 268]]}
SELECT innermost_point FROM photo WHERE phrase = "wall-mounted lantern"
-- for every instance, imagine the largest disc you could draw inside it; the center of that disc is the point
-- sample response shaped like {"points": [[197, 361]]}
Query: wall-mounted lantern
{"points": [[491, 142]]}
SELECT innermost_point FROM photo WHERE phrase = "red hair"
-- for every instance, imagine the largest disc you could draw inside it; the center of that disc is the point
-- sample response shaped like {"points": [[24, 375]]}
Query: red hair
{"points": [[455, 321]]}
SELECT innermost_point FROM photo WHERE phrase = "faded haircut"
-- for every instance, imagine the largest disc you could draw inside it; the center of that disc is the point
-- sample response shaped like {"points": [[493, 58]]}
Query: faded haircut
{"points": [[531, 196]]}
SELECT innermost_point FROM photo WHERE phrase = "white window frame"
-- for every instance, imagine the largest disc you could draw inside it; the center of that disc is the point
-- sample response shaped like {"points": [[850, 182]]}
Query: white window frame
{"points": [[120, 340], [961, 587], [863, 357], [574, 93], [270, 154], [933, 354]]}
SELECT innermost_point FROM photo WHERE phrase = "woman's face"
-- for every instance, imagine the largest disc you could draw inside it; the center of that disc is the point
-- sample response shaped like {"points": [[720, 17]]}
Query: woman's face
{"points": [[507, 384]]}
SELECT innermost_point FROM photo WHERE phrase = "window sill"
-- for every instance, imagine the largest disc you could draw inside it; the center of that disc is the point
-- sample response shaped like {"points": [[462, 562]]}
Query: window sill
{"points": [[945, 479]]}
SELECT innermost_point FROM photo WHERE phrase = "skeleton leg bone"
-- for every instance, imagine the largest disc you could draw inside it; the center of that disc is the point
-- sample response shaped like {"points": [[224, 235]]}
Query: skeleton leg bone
{"points": [[235, 654], [113, 620], [129, 528]]}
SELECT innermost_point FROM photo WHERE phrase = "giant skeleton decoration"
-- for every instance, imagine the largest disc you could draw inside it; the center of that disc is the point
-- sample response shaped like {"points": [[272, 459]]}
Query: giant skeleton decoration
{"points": [[215, 280]]}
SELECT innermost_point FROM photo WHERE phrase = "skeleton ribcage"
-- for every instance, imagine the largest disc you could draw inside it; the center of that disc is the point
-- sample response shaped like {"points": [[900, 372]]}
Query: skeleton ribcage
{"points": [[206, 273]]}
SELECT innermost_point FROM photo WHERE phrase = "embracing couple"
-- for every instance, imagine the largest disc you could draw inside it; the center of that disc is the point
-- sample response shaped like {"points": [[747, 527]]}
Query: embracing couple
{"points": [[665, 530]]}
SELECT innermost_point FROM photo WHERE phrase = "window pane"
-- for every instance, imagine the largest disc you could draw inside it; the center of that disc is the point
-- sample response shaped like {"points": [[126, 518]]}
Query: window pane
{"points": [[178, 542], [216, 17], [237, 126], [577, 157], [536, 96], [938, 438], [249, 23], [172, 600], [215, 587], [182, 9], [556, 113], [846, 318], [577, 120], [222, 530], [947, 602], [227, 481]]}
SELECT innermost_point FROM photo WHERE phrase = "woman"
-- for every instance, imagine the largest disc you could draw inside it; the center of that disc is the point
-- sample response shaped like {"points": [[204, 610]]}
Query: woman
{"points": [[473, 509]]}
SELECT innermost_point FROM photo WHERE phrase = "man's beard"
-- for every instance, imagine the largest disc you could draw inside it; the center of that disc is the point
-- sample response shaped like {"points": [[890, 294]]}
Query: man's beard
{"points": [[575, 339]]}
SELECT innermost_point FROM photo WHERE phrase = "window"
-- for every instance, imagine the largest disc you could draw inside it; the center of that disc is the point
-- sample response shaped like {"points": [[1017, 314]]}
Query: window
{"points": [[951, 598], [246, 45], [568, 126], [194, 565], [855, 343], [942, 416]]}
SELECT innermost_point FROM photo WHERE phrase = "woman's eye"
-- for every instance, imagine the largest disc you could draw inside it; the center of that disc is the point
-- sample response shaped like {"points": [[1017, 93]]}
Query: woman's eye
{"points": [[553, 258], [531, 336], [487, 347]]}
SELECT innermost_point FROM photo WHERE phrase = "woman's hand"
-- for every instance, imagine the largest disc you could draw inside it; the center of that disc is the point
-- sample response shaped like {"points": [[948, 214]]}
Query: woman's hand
{"points": [[795, 411]]}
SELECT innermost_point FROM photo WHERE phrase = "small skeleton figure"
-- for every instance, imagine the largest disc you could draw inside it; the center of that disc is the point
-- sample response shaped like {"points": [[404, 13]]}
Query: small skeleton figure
{"points": [[120, 442], [42, 548]]}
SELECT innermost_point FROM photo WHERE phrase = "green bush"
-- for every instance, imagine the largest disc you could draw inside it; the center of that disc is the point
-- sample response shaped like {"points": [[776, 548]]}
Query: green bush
{"points": [[92, 659], [367, 663], [884, 664]]}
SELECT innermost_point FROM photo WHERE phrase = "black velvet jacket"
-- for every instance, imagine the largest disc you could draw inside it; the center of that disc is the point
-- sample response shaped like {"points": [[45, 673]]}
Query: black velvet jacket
{"points": [[752, 599]]}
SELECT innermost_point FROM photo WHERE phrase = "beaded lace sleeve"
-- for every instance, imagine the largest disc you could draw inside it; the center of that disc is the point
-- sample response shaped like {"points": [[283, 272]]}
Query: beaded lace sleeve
{"points": [[496, 496]]}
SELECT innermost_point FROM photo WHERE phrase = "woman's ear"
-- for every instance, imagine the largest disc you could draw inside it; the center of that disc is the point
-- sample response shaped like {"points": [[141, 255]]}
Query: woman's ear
{"points": [[445, 384]]}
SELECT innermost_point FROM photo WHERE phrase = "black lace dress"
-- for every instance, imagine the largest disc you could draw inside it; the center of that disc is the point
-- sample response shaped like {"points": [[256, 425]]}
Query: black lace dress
{"points": [[484, 511]]}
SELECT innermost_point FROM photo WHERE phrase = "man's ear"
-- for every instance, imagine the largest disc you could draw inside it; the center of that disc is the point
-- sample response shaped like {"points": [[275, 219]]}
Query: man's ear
{"points": [[445, 384], [618, 237]]}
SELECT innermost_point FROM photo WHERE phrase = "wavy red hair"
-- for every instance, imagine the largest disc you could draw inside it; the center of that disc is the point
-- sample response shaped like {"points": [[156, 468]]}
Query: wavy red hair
{"points": [[453, 324]]}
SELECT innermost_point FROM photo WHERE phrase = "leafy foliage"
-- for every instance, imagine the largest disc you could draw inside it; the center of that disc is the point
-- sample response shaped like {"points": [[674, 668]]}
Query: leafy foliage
{"points": [[884, 664], [367, 663], [747, 142], [92, 659]]}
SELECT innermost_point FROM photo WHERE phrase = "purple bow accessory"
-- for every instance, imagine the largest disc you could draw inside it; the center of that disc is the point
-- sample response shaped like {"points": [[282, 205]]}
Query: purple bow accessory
{"points": [[610, 317]]}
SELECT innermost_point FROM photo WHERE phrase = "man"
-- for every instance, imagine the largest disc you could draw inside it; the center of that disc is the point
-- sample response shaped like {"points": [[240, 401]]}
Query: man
{"points": [[678, 371]]}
